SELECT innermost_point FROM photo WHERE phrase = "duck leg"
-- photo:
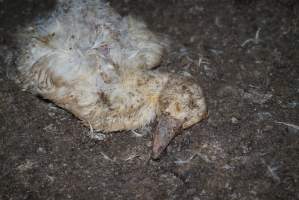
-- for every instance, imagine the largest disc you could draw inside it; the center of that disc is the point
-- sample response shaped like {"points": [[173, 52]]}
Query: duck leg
{"points": [[166, 129]]}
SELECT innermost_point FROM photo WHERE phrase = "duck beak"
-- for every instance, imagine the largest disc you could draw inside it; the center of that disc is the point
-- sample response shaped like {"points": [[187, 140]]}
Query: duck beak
{"points": [[166, 129]]}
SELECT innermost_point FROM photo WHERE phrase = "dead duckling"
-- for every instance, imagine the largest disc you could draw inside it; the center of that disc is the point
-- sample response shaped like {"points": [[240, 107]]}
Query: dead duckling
{"points": [[92, 62]]}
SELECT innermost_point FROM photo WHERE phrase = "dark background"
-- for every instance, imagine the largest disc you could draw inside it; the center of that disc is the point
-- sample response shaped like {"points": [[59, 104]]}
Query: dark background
{"points": [[240, 152]]}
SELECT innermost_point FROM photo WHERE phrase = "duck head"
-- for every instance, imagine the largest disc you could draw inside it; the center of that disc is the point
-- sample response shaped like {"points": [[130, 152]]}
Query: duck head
{"points": [[182, 105]]}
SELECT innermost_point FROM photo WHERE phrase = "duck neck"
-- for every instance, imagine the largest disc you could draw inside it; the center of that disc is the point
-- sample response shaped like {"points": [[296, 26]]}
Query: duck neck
{"points": [[134, 103]]}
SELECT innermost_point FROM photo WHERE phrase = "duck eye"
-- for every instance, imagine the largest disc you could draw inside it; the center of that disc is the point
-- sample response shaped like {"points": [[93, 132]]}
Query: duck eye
{"points": [[192, 104]]}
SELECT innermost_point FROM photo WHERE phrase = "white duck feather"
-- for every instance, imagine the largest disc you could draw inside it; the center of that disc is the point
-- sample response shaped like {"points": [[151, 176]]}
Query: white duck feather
{"points": [[96, 64]]}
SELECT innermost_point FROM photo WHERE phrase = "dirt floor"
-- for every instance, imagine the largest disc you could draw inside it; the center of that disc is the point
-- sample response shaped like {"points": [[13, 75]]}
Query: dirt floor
{"points": [[244, 53]]}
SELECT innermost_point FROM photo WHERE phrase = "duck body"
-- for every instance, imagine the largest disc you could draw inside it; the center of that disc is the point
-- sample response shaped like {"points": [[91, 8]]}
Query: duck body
{"points": [[96, 64]]}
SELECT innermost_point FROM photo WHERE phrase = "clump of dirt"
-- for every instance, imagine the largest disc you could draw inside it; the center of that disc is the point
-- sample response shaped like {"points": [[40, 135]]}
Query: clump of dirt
{"points": [[245, 56]]}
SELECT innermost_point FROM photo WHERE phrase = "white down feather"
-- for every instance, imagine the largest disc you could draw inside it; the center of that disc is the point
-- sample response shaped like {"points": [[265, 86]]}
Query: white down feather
{"points": [[91, 61]]}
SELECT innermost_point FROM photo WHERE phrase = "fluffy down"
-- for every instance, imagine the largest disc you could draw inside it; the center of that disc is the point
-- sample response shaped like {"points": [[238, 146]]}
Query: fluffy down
{"points": [[96, 64]]}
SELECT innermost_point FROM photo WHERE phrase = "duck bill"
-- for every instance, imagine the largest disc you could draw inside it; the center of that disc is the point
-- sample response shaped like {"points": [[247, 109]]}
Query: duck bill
{"points": [[166, 129]]}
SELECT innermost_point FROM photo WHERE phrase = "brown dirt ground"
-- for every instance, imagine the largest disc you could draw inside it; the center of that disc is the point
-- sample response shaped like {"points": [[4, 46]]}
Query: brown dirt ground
{"points": [[241, 152]]}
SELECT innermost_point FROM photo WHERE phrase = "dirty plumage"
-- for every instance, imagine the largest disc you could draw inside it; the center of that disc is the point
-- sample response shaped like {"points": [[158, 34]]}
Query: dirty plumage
{"points": [[96, 64]]}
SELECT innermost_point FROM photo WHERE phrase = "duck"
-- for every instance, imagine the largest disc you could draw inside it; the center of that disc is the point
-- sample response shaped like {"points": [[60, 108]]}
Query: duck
{"points": [[101, 67]]}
